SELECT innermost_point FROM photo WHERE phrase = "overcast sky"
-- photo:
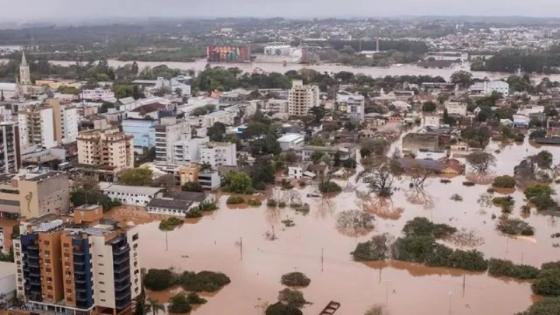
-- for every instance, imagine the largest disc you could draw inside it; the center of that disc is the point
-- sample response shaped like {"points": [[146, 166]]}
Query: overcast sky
{"points": [[54, 9]]}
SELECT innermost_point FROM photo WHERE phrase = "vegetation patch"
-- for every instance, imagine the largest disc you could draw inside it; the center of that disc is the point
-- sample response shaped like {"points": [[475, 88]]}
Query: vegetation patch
{"points": [[375, 249], [506, 203], [170, 223], [506, 268], [515, 227], [235, 200], [505, 181], [295, 279]]}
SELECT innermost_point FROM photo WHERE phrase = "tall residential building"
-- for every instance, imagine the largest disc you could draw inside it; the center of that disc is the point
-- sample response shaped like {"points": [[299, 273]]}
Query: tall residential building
{"points": [[79, 265], [219, 154], [167, 134], [65, 121], [109, 149], [36, 125], [302, 98], [10, 158]]}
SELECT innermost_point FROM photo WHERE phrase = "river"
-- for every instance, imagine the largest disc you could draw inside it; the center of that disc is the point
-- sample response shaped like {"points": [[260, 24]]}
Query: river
{"points": [[376, 72]]}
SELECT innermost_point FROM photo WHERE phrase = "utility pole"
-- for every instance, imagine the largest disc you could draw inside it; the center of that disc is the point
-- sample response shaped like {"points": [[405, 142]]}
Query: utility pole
{"points": [[322, 259], [241, 247]]}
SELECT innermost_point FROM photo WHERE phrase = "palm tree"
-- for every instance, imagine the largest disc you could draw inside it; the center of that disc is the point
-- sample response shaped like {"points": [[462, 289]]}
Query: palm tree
{"points": [[154, 306]]}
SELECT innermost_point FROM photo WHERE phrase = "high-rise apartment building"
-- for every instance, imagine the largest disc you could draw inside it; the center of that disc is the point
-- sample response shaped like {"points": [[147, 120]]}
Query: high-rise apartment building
{"points": [[36, 125], [302, 98], [109, 149], [65, 121], [10, 158], [79, 265], [167, 134]]}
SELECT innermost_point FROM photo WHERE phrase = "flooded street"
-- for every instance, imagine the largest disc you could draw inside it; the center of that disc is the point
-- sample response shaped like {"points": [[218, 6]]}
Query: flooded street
{"points": [[237, 242]]}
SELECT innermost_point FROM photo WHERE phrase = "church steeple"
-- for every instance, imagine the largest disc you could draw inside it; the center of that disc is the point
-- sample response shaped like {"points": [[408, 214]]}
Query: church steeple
{"points": [[23, 60], [24, 72]]}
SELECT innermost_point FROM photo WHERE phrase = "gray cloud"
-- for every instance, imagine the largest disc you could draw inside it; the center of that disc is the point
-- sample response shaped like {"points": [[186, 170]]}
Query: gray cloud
{"points": [[77, 9]]}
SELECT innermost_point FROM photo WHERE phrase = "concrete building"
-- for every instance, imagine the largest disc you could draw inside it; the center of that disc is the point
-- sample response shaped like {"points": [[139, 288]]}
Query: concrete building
{"points": [[65, 121], [486, 88], [36, 125], [302, 98], [97, 94], [10, 155], [129, 195], [82, 265], [109, 149], [167, 133], [412, 143], [39, 194], [176, 204], [276, 106], [8, 272], [193, 173], [455, 108], [219, 154], [291, 141], [351, 104], [142, 130], [188, 150]]}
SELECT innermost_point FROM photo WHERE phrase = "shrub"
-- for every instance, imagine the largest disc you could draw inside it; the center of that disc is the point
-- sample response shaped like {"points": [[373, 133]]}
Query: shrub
{"points": [[548, 280], [271, 203], [372, 250], [282, 309], [254, 203], [170, 223], [235, 200], [295, 279], [292, 297], [159, 279], [515, 227], [505, 268], [207, 206], [329, 187], [506, 203], [282, 204], [194, 299], [504, 182], [541, 196], [471, 260], [546, 306], [193, 214], [179, 304], [423, 227], [206, 281], [456, 197]]}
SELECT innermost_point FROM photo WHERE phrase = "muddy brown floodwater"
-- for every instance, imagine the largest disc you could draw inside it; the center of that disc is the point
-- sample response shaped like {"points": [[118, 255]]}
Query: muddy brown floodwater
{"points": [[237, 242]]}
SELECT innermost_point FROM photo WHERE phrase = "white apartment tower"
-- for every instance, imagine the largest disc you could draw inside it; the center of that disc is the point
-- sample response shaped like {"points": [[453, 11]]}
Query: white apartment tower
{"points": [[37, 127], [302, 98]]}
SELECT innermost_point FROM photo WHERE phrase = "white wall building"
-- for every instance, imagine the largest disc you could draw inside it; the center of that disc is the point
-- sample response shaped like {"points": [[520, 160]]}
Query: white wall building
{"points": [[352, 104], [488, 87], [219, 154], [456, 108], [291, 141], [97, 94], [129, 195], [188, 150]]}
